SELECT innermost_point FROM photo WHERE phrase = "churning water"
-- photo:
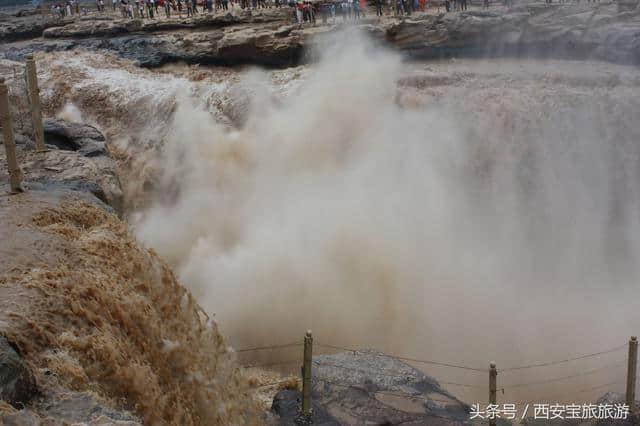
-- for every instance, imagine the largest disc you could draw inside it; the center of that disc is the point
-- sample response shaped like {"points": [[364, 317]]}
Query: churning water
{"points": [[463, 211]]}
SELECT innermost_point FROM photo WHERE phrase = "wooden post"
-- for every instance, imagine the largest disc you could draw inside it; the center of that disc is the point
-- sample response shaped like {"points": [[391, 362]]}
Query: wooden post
{"points": [[306, 374], [20, 111], [34, 101], [9, 141], [631, 373], [493, 376]]}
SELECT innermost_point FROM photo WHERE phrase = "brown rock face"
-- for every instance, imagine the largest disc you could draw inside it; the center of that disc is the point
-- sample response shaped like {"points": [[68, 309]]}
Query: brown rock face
{"points": [[582, 31], [17, 384]]}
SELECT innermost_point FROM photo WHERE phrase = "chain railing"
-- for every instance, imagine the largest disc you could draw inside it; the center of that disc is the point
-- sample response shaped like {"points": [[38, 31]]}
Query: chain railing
{"points": [[493, 372]]}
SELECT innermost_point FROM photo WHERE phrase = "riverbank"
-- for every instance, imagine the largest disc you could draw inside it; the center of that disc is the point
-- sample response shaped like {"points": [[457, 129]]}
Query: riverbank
{"points": [[266, 37]]}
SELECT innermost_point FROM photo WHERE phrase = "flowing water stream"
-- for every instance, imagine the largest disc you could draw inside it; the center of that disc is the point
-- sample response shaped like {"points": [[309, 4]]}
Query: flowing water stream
{"points": [[464, 211]]}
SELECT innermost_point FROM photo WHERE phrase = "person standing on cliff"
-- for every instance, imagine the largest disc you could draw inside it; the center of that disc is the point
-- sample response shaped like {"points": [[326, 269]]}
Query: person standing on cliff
{"points": [[298, 9], [356, 10], [378, 7]]}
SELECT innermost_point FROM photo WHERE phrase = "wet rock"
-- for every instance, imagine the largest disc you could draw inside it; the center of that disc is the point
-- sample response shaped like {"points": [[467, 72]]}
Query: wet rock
{"points": [[78, 160], [25, 141], [24, 417], [287, 403], [20, 51], [74, 408], [17, 384], [73, 184], [372, 388], [83, 138], [86, 407], [71, 170]]}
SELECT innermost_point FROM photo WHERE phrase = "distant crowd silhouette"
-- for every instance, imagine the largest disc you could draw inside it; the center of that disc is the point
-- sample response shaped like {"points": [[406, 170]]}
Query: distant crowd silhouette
{"points": [[303, 11]]}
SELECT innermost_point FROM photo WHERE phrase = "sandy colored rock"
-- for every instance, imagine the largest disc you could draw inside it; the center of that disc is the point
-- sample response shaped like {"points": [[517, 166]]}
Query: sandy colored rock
{"points": [[581, 31]]}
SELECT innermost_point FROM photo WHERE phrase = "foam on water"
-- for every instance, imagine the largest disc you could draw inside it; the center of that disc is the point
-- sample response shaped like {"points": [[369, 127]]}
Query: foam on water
{"points": [[467, 214]]}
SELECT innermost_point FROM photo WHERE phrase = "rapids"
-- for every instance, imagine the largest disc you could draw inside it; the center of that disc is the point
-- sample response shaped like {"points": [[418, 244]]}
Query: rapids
{"points": [[464, 210]]}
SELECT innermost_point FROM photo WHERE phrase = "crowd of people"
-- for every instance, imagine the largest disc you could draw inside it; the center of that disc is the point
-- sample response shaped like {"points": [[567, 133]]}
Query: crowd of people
{"points": [[70, 8], [152, 8], [348, 9], [302, 10]]}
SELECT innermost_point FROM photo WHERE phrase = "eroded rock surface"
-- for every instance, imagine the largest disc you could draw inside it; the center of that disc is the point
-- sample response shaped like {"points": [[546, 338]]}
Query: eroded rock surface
{"points": [[85, 28], [573, 31], [83, 138], [583, 31], [77, 408], [15, 28], [372, 388], [17, 384], [77, 159]]}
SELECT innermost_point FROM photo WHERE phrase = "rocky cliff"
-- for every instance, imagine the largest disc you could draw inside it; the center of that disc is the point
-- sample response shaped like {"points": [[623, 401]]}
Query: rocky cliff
{"points": [[580, 31], [94, 328]]}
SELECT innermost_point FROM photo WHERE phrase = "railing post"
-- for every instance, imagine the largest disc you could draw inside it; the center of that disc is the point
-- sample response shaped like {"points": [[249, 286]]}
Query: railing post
{"points": [[34, 101], [493, 378], [306, 374], [9, 141], [631, 373]]}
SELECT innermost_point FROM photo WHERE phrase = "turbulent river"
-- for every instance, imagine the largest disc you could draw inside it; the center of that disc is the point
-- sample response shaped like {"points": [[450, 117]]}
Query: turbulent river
{"points": [[464, 210]]}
